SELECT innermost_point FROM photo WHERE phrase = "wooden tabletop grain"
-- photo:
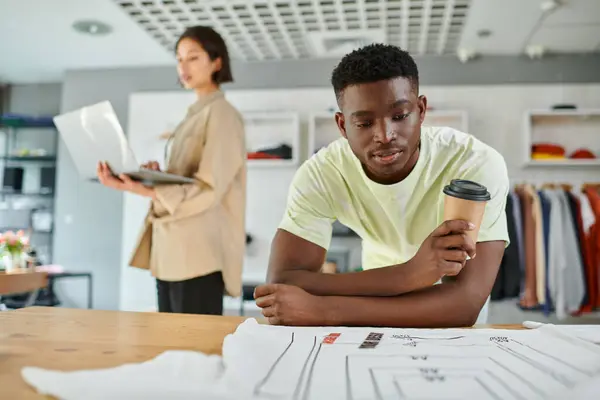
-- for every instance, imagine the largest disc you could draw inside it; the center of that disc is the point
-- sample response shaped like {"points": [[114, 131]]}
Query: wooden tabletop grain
{"points": [[70, 339]]}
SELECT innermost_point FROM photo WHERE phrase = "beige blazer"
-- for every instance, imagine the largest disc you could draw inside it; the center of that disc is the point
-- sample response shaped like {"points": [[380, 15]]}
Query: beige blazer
{"points": [[195, 229]]}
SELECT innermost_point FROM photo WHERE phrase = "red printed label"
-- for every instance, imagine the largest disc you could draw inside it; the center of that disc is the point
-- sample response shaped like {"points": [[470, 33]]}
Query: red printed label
{"points": [[329, 339]]}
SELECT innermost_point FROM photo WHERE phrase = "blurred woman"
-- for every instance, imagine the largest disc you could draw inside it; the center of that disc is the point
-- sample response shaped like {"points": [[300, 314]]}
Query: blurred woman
{"points": [[194, 234]]}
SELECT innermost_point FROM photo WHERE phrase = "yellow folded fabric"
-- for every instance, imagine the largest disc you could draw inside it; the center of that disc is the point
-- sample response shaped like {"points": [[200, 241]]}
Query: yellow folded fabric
{"points": [[545, 156]]}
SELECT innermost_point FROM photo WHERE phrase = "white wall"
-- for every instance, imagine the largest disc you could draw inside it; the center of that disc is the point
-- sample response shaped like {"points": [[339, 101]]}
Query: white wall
{"points": [[495, 115]]}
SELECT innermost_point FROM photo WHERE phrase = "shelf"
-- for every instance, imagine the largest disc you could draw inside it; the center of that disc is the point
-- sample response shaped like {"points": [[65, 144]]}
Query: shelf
{"points": [[572, 130], [544, 117], [25, 229], [582, 112], [564, 163], [4, 124], [25, 194], [456, 119], [29, 158], [275, 133], [270, 163], [322, 131]]}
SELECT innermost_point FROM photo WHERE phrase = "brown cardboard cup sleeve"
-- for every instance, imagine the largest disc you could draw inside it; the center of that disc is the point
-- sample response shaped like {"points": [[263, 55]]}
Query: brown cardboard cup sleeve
{"points": [[466, 200]]}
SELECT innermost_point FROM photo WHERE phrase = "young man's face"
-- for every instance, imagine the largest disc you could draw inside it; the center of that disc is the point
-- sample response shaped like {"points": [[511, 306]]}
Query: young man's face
{"points": [[382, 122]]}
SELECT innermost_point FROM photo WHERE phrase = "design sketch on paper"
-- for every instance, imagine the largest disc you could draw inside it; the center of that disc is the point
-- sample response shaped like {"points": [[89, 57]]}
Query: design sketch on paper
{"points": [[357, 364]]}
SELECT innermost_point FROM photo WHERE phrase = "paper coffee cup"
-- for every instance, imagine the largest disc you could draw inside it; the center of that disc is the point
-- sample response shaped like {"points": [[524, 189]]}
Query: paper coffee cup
{"points": [[466, 200]]}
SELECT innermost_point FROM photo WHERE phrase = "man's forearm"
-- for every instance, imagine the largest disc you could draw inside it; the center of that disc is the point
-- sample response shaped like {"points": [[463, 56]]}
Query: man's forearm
{"points": [[387, 281], [444, 305]]}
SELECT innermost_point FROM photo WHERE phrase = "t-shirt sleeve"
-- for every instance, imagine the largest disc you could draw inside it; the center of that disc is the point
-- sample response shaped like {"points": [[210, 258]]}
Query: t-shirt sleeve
{"points": [[493, 174], [309, 212]]}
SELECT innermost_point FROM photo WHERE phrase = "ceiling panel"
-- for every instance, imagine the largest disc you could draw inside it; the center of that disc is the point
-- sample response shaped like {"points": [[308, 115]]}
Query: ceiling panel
{"points": [[279, 29], [568, 38], [38, 43], [275, 29], [574, 26], [575, 12], [509, 23]]}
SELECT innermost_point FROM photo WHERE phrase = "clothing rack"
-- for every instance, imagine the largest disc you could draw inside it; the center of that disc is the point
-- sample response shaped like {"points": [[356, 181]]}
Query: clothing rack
{"points": [[545, 184], [553, 261]]}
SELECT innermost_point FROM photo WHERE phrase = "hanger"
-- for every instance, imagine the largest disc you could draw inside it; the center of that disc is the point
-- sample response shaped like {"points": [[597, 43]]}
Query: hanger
{"points": [[548, 185], [589, 185]]}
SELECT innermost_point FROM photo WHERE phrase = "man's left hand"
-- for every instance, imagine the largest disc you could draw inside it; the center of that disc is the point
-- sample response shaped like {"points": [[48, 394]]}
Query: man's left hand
{"points": [[123, 182], [290, 305]]}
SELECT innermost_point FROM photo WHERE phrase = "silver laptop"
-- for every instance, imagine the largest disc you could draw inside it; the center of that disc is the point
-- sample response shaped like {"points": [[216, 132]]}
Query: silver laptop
{"points": [[93, 134]]}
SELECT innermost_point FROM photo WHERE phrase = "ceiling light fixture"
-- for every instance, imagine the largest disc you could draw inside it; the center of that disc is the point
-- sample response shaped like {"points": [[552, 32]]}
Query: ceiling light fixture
{"points": [[465, 55], [92, 27], [484, 33], [535, 51]]}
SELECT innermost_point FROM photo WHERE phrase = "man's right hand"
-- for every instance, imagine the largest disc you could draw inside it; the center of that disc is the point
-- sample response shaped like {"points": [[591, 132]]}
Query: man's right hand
{"points": [[445, 250], [152, 165]]}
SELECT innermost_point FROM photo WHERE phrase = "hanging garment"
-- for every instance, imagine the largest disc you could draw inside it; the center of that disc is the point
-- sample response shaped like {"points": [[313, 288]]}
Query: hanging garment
{"points": [[540, 259], [518, 220], [565, 277], [508, 280], [546, 206], [575, 209], [594, 238], [529, 298], [588, 220]]}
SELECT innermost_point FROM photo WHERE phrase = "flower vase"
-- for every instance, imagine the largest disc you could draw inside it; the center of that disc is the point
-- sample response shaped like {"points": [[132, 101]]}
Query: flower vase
{"points": [[13, 262]]}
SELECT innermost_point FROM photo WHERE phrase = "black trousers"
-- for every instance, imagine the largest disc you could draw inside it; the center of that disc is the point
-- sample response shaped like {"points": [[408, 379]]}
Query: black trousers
{"points": [[201, 295]]}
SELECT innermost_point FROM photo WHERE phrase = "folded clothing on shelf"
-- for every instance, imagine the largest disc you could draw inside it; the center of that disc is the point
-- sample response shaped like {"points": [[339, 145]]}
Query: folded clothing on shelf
{"points": [[547, 151], [582, 154], [282, 152]]}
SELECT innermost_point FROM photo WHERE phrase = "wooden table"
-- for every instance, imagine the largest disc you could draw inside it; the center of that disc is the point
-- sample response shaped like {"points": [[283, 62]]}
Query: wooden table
{"points": [[69, 339], [22, 281]]}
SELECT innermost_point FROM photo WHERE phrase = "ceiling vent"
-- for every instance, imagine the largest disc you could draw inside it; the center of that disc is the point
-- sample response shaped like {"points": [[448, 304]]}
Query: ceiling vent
{"points": [[339, 43]]}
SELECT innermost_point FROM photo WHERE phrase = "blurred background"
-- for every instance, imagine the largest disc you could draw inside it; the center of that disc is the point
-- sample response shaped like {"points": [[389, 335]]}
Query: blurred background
{"points": [[521, 75]]}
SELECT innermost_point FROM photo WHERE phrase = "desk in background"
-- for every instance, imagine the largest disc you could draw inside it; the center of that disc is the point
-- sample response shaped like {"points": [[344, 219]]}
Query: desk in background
{"points": [[47, 297]]}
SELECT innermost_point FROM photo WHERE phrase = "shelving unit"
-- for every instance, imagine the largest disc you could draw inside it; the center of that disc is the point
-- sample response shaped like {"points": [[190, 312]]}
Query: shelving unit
{"points": [[33, 206], [267, 132], [572, 129], [457, 119], [322, 130]]}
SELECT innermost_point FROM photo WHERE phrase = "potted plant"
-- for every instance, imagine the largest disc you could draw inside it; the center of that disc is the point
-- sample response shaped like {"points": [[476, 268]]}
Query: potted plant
{"points": [[13, 246]]}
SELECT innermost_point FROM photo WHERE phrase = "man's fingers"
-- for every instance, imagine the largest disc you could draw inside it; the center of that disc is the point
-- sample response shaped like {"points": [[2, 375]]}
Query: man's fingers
{"points": [[264, 290], [459, 256], [453, 226], [451, 268], [454, 241], [274, 321], [265, 301], [268, 312], [457, 241]]}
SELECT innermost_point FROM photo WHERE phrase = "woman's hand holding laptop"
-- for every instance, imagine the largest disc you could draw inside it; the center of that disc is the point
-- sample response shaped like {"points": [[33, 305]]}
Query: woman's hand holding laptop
{"points": [[123, 182]]}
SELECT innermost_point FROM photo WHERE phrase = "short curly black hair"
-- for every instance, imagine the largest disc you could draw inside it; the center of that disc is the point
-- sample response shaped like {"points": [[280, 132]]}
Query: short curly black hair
{"points": [[373, 63]]}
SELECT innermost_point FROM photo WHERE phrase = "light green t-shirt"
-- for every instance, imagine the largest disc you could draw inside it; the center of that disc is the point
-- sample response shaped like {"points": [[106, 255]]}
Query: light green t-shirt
{"points": [[393, 220]]}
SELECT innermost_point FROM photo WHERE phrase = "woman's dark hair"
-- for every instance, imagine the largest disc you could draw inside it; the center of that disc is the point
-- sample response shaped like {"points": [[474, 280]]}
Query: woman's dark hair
{"points": [[215, 47]]}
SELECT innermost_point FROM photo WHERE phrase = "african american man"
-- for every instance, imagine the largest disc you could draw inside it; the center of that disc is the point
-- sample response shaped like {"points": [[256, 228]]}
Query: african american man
{"points": [[384, 179]]}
